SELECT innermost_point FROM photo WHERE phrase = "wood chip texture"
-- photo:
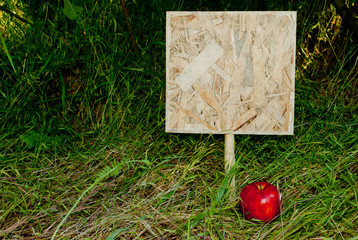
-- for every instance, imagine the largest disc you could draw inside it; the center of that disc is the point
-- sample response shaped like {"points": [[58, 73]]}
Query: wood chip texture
{"points": [[230, 72]]}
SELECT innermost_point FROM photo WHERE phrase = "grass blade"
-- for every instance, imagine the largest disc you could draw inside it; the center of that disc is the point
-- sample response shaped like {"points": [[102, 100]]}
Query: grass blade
{"points": [[7, 53], [100, 177], [113, 235]]}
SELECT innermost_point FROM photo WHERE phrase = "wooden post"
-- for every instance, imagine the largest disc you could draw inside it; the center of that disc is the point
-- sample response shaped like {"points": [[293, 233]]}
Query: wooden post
{"points": [[230, 161]]}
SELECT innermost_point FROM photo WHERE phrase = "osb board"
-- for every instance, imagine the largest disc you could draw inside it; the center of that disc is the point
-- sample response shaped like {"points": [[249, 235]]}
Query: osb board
{"points": [[230, 72]]}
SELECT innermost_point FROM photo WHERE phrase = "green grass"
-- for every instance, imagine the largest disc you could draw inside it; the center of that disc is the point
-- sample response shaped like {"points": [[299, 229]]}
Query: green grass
{"points": [[84, 153]]}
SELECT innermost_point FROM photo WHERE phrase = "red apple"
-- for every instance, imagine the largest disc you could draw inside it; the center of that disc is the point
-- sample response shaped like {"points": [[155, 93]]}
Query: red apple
{"points": [[260, 201]]}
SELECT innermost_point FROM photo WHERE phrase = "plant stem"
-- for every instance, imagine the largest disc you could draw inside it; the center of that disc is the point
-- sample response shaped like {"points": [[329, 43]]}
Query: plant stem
{"points": [[4, 9], [129, 26]]}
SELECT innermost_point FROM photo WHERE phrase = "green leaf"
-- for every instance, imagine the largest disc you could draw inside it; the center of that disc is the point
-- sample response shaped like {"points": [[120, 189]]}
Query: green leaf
{"points": [[165, 198], [113, 235], [223, 189], [31, 139], [36, 139], [72, 11]]}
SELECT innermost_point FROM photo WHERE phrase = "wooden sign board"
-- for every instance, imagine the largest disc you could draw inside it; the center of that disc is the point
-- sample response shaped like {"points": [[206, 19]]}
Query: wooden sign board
{"points": [[230, 72]]}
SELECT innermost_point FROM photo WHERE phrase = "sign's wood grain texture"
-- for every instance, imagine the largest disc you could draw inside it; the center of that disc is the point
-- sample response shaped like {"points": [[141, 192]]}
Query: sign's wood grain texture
{"points": [[230, 72]]}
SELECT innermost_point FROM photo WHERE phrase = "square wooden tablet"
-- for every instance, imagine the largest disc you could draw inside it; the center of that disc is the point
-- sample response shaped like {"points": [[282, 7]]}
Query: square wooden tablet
{"points": [[230, 72]]}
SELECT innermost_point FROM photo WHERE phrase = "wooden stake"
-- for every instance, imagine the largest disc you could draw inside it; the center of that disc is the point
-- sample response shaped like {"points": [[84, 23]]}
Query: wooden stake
{"points": [[230, 161]]}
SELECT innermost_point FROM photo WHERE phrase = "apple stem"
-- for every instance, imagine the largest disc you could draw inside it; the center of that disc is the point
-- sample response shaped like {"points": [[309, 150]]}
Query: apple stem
{"points": [[230, 161]]}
